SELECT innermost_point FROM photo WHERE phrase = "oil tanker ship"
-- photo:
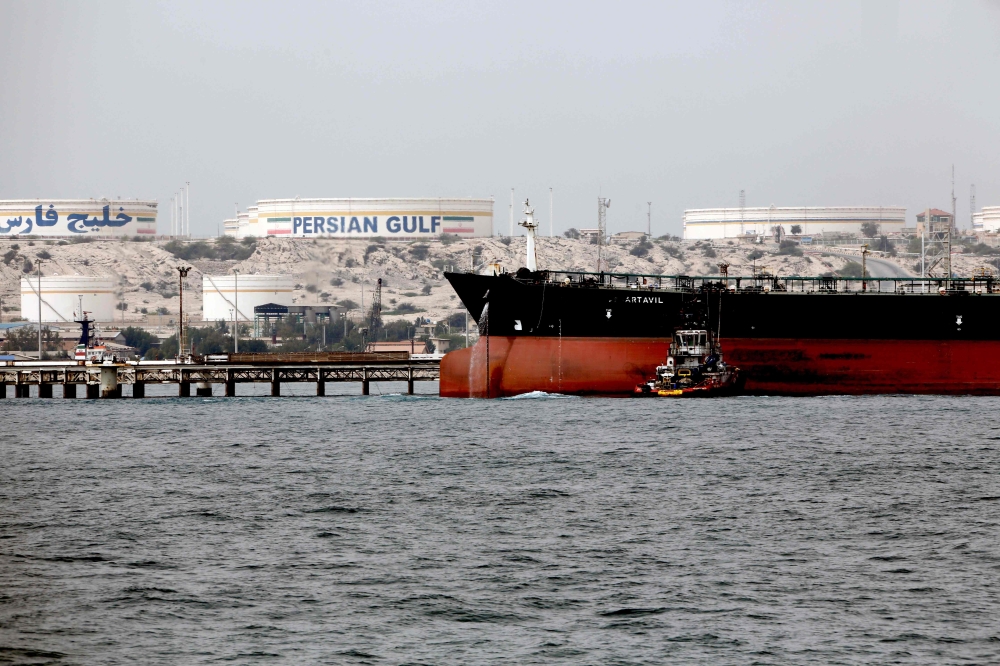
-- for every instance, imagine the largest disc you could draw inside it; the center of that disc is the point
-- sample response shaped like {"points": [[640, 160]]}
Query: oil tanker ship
{"points": [[603, 333], [583, 333]]}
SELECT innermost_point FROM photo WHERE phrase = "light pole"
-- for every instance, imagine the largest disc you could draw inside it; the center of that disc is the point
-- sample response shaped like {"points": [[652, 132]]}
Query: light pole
{"points": [[38, 269], [182, 271], [236, 315]]}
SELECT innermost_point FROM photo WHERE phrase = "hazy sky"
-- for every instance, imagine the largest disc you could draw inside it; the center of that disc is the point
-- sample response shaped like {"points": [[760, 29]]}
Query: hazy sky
{"points": [[682, 104]]}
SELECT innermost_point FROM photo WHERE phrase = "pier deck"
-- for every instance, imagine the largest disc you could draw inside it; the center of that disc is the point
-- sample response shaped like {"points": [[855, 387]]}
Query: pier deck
{"points": [[106, 380]]}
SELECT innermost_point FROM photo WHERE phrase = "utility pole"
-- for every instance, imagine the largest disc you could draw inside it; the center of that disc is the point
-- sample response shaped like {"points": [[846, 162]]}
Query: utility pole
{"points": [[954, 217], [972, 206], [602, 224], [236, 317], [649, 219], [182, 273], [743, 205], [511, 212], [864, 267], [38, 268], [187, 208], [551, 224]]}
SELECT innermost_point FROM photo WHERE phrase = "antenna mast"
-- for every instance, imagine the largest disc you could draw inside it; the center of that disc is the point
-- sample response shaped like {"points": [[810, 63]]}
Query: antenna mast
{"points": [[511, 211], [375, 323], [954, 217], [972, 205], [602, 226], [743, 205]]}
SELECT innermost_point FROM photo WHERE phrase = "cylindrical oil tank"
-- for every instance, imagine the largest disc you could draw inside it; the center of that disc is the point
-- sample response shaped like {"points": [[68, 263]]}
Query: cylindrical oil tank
{"points": [[94, 218], [62, 297], [222, 293], [397, 218]]}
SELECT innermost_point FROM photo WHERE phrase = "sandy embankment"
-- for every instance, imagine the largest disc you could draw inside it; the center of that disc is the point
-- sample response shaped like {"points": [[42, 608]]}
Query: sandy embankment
{"points": [[332, 270]]}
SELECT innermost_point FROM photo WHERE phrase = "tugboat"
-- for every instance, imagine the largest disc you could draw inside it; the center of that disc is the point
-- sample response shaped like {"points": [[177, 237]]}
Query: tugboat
{"points": [[694, 368]]}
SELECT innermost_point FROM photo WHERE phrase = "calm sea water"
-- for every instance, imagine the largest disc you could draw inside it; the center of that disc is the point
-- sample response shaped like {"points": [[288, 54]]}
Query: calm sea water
{"points": [[414, 530]]}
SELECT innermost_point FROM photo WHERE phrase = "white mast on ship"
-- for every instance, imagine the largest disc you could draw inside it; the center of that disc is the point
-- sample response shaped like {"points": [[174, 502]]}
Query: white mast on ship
{"points": [[529, 223]]}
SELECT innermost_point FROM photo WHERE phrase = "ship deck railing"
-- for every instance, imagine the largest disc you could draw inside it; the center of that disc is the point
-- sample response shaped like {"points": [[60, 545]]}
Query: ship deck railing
{"points": [[768, 283]]}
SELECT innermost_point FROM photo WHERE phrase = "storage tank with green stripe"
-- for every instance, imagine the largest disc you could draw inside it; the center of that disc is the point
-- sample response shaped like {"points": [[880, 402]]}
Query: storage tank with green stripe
{"points": [[398, 218]]}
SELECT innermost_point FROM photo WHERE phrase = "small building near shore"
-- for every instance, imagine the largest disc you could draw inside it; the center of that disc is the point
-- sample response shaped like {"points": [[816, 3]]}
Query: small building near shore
{"points": [[412, 346]]}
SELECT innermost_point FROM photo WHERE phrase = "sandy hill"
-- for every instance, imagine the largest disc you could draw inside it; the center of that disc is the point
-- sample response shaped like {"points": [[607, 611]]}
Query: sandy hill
{"points": [[335, 270]]}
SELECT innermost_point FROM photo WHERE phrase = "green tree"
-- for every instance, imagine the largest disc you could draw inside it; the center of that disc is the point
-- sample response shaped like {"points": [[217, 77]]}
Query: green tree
{"points": [[790, 247], [851, 269], [25, 338], [139, 338], [869, 229]]}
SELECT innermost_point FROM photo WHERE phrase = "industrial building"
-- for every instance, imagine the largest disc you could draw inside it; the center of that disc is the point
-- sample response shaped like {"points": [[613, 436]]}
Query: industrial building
{"points": [[987, 220], [364, 218], [101, 218], [222, 293], [714, 223], [63, 296]]}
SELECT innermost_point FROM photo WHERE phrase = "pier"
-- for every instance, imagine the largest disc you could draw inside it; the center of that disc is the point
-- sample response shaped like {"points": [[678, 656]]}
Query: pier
{"points": [[106, 380]]}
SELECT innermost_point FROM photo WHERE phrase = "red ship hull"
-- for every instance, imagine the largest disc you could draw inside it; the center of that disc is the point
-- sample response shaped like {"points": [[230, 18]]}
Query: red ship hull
{"points": [[827, 367], [773, 366], [574, 366]]}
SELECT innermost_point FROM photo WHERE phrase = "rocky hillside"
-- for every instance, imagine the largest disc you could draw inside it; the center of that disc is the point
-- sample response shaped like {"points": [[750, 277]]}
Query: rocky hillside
{"points": [[334, 270]]}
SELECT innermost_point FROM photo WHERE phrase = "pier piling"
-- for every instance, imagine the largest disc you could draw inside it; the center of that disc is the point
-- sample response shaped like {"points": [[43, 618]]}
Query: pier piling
{"points": [[93, 391], [69, 390], [139, 390], [109, 382], [275, 384], [45, 390]]}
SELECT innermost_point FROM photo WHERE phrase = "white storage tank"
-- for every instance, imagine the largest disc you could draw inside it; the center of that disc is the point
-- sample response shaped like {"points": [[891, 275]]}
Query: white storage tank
{"points": [[395, 218], [709, 223], [220, 297], [61, 297], [96, 218]]}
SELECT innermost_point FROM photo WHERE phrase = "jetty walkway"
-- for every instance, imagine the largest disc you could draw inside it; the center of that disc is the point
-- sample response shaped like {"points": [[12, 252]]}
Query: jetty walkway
{"points": [[105, 380]]}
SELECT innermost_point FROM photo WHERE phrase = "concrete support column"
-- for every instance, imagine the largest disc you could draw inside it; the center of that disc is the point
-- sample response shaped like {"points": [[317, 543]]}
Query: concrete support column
{"points": [[203, 389], [364, 382], [3, 390], [45, 390], [22, 390], [184, 390], [93, 391], [139, 389], [320, 384], [275, 384], [69, 390], [230, 384], [109, 382], [409, 381]]}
